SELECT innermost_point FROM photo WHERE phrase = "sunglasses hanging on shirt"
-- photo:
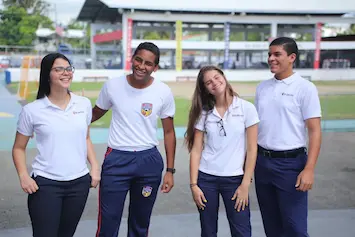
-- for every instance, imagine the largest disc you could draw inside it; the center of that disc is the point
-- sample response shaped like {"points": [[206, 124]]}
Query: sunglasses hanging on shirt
{"points": [[222, 131]]}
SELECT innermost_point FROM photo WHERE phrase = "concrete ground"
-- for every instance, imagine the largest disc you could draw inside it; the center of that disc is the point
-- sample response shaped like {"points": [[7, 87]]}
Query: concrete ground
{"points": [[331, 202]]}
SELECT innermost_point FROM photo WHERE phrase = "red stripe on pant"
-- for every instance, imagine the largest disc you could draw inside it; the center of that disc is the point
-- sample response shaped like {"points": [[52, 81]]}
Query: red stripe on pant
{"points": [[108, 151]]}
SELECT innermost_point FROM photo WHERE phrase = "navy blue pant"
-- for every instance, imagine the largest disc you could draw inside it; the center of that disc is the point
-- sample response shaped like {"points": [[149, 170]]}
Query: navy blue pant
{"points": [[283, 208], [213, 186], [140, 174], [55, 209]]}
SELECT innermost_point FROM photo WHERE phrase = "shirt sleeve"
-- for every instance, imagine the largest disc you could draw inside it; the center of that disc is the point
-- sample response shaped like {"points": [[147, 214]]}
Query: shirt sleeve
{"points": [[251, 115], [256, 97], [168, 108], [89, 112], [25, 124], [104, 100], [200, 124], [310, 105]]}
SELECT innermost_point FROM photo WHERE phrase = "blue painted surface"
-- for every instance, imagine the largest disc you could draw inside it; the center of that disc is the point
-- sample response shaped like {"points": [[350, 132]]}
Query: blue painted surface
{"points": [[9, 105]]}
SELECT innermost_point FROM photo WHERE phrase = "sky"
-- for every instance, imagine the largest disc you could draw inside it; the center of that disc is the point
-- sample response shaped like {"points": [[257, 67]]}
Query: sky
{"points": [[69, 9], [66, 10]]}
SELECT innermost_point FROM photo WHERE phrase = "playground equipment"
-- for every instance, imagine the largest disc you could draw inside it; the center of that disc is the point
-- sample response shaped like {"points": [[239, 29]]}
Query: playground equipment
{"points": [[29, 72]]}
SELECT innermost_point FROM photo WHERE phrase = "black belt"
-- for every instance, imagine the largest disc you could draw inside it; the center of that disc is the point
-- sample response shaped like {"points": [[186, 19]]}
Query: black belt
{"points": [[281, 154]]}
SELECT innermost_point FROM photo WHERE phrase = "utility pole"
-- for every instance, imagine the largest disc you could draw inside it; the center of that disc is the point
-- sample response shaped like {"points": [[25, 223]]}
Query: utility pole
{"points": [[56, 26]]}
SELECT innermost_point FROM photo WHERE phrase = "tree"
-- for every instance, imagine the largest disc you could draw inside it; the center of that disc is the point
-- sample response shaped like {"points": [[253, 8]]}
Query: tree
{"points": [[351, 29], [31, 6], [79, 43], [17, 27], [76, 25], [155, 35]]}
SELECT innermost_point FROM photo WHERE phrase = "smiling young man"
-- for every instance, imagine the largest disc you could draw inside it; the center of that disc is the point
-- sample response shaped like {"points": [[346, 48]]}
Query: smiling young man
{"points": [[288, 107], [132, 161]]}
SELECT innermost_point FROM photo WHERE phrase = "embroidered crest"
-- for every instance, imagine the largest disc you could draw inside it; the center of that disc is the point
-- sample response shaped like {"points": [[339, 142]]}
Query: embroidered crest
{"points": [[146, 191], [146, 109]]}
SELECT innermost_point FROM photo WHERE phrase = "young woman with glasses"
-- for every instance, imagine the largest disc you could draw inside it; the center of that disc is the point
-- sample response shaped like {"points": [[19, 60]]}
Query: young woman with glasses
{"points": [[222, 140], [59, 182]]}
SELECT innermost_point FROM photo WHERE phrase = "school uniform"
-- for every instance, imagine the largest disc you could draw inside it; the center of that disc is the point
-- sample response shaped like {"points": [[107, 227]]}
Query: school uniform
{"points": [[283, 107], [132, 161], [59, 169], [221, 166]]}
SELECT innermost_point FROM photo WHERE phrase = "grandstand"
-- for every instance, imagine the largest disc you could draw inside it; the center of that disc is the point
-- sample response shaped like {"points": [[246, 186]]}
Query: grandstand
{"points": [[231, 33]]}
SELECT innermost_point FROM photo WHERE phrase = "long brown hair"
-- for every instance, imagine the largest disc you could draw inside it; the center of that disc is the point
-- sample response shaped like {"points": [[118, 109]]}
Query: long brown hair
{"points": [[202, 100]]}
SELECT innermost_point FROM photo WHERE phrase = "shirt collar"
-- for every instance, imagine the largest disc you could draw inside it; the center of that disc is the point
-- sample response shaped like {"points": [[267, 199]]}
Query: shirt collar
{"points": [[235, 104], [288, 80], [48, 103]]}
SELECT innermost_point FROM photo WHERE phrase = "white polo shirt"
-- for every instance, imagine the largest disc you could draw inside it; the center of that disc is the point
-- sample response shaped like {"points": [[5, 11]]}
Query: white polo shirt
{"points": [[283, 106], [135, 112], [60, 137], [225, 155]]}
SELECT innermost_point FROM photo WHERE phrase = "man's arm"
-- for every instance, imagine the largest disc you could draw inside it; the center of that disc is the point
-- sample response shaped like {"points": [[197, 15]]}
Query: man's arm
{"points": [[170, 146], [169, 141], [311, 112], [97, 113], [305, 179], [315, 139]]}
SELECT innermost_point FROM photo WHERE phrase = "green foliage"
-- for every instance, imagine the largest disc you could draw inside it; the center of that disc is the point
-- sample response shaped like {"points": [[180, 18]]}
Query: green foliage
{"points": [[351, 30], [75, 25], [79, 43], [17, 27], [236, 36], [31, 6], [153, 35]]}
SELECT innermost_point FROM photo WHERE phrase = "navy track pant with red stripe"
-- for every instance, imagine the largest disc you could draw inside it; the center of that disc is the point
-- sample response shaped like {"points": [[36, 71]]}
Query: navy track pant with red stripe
{"points": [[137, 172]]}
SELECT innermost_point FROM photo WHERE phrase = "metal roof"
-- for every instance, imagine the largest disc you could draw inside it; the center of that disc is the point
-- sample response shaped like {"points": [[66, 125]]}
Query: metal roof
{"points": [[111, 10], [250, 6], [96, 10]]}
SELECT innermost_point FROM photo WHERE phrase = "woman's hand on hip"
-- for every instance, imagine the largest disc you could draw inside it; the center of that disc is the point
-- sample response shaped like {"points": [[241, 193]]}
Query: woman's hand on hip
{"points": [[28, 184]]}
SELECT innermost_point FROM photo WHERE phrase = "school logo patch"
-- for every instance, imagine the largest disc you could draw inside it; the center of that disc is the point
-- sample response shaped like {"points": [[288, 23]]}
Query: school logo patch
{"points": [[146, 109], [146, 191]]}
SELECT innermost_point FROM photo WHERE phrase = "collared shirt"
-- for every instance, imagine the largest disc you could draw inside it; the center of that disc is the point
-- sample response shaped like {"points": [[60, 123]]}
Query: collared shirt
{"points": [[60, 136], [283, 107], [224, 149], [135, 112]]}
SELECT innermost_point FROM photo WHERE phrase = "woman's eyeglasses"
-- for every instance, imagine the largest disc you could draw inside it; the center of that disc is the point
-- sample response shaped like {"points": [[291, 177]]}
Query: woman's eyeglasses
{"points": [[61, 70], [222, 131]]}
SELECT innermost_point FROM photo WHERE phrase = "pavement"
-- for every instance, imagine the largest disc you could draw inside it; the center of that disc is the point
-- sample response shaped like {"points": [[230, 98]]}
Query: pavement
{"points": [[331, 202]]}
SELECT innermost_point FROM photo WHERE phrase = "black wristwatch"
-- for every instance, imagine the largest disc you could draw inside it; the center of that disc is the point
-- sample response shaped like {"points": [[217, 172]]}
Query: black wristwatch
{"points": [[172, 170]]}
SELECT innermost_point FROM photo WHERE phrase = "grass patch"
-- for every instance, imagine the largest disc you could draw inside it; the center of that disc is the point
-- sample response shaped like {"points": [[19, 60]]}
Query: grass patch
{"points": [[87, 86], [334, 83], [181, 116], [103, 122], [333, 106], [338, 106]]}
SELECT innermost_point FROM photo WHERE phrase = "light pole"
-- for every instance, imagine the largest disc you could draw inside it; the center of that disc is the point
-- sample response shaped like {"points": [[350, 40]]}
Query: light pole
{"points": [[56, 25]]}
